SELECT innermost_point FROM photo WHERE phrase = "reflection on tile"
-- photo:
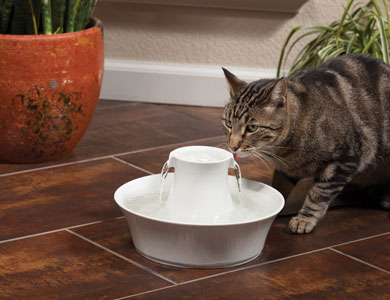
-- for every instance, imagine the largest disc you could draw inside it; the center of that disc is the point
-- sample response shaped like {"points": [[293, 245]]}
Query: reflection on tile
{"points": [[340, 225], [59, 197], [321, 275], [63, 266], [375, 251]]}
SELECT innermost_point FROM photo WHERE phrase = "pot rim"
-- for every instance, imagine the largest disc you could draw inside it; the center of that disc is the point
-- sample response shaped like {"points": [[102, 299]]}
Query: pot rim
{"points": [[94, 24]]}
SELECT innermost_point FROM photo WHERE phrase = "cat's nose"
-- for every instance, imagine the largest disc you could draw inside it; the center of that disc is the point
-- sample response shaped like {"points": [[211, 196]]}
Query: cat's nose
{"points": [[234, 149], [234, 144]]}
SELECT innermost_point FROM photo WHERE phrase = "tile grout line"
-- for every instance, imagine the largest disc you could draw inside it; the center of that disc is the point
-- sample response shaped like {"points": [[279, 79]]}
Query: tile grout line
{"points": [[116, 106], [56, 230], [68, 229], [53, 231], [220, 274], [122, 257], [359, 260], [105, 157], [250, 267], [131, 165], [359, 240], [167, 145]]}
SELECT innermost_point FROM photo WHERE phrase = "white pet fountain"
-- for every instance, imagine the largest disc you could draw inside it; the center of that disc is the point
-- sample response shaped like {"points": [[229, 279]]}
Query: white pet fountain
{"points": [[198, 216]]}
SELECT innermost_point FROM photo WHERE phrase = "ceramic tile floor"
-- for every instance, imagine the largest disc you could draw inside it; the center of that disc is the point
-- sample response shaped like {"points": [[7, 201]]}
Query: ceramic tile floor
{"points": [[63, 237]]}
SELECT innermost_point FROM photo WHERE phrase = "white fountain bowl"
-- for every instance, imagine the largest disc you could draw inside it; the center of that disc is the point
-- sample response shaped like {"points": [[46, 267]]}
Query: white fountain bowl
{"points": [[195, 244]]}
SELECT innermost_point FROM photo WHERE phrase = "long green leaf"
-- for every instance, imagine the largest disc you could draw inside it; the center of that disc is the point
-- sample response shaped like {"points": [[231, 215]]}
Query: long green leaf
{"points": [[91, 7], [370, 42], [81, 15], [6, 15], [336, 53], [387, 16], [351, 43], [70, 18], [46, 16], [377, 8], [17, 22], [382, 33], [1, 8], [58, 13], [342, 20], [291, 34], [324, 51]]}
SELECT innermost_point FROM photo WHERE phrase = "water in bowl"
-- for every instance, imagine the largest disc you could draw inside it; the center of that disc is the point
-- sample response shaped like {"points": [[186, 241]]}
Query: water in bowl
{"points": [[153, 206]]}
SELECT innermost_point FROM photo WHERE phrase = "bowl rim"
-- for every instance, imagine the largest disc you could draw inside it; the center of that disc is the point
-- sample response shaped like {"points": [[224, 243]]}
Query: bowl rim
{"points": [[268, 216], [228, 155]]}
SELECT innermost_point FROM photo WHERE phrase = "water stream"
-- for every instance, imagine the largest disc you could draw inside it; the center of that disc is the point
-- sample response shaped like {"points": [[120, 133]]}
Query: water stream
{"points": [[164, 174], [237, 174]]}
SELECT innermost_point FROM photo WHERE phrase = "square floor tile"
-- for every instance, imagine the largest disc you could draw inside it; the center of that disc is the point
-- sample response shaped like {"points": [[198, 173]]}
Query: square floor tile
{"points": [[375, 251], [53, 198], [63, 266], [321, 275], [340, 225]]}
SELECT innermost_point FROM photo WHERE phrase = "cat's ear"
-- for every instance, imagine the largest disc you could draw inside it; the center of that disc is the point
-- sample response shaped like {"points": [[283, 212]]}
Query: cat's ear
{"points": [[235, 84], [279, 93]]}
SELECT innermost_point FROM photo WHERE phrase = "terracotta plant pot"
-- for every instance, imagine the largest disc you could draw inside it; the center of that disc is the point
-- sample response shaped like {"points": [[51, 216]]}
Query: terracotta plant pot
{"points": [[49, 88]]}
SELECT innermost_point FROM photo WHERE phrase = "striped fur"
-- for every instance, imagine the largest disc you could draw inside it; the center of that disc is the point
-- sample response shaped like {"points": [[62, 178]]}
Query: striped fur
{"points": [[331, 123]]}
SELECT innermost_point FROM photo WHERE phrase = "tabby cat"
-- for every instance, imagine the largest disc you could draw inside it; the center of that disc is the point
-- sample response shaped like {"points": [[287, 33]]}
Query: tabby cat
{"points": [[330, 123]]}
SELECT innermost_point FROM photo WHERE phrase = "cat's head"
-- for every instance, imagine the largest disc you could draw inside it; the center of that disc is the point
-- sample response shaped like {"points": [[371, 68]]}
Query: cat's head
{"points": [[256, 115]]}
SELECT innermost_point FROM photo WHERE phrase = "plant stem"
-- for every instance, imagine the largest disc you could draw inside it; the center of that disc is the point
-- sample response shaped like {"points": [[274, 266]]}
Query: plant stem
{"points": [[46, 16], [342, 21], [5, 15], [387, 16], [31, 19]]}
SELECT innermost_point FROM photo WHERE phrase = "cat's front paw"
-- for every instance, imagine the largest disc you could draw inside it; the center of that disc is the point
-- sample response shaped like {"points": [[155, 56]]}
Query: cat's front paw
{"points": [[302, 224]]}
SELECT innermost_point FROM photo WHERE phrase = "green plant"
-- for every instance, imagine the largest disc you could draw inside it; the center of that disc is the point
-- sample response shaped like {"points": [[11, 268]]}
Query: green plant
{"points": [[44, 16], [365, 29]]}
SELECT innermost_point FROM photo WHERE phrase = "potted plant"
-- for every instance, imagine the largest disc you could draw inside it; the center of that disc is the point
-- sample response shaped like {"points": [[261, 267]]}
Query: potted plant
{"points": [[363, 28], [51, 68]]}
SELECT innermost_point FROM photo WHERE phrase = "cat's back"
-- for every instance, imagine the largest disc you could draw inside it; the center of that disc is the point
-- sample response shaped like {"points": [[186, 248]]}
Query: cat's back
{"points": [[351, 90], [357, 71]]}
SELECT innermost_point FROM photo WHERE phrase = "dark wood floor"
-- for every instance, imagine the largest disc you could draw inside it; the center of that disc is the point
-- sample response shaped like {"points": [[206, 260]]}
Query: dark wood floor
{"points": [[63, 237]]}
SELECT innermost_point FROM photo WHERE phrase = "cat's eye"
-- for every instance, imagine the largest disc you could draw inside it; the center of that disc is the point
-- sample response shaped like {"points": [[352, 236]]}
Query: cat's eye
{"points": [[228, 123], [252, 127]]}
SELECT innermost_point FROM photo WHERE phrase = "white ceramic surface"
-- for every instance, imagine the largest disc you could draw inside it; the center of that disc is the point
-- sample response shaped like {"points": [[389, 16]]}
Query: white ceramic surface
{"points": [[210, 244], [200, 186]]}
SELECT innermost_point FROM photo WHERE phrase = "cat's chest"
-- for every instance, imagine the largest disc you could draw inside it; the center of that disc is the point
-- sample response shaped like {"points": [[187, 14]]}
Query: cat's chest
{"points": [[296, 164]]}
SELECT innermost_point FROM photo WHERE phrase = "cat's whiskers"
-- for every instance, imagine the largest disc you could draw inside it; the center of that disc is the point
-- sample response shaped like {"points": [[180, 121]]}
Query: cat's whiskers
{"points": [[272, 155], [266, 162], [265, 159], [276, 147]]}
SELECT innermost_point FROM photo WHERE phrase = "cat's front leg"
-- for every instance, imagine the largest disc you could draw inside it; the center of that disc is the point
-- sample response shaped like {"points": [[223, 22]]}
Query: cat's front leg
{"points": [[330, 182]]}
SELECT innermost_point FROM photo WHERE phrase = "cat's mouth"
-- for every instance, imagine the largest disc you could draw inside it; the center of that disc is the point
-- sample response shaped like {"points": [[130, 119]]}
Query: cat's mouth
{"points": [[241, 153]]}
